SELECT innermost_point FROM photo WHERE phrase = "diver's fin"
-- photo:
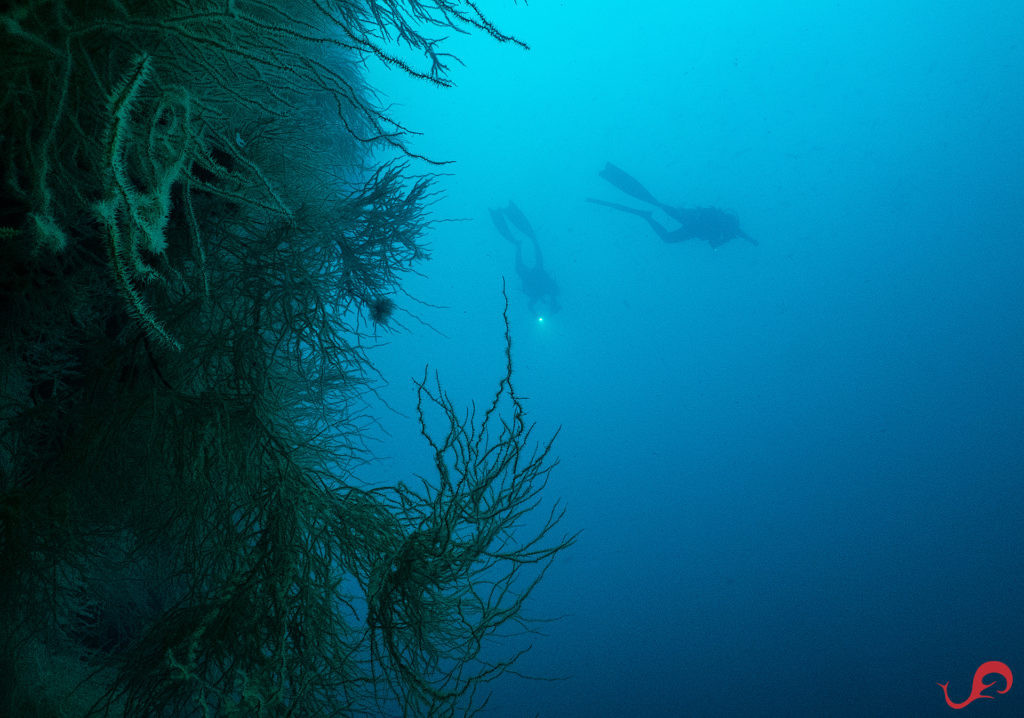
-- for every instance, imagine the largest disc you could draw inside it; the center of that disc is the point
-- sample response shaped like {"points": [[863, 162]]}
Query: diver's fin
{"points": [[621, 207], [516, 217], [627, 184], [498, 217]]}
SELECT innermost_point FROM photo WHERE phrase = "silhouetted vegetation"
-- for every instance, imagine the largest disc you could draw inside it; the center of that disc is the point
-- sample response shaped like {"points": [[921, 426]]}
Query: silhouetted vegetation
{"points": [[192, 235]]}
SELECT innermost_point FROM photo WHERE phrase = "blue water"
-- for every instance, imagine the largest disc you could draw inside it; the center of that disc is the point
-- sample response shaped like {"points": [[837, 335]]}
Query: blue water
{"points": [[798, 466]]}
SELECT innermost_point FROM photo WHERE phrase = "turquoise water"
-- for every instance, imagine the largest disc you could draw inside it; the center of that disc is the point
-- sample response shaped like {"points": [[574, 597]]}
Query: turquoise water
{"points": [[797, 465]]}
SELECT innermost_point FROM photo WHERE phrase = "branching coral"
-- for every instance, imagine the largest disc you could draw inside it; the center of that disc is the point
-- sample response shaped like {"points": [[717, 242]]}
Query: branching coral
{"points": [[189, 244], [462, 569]]}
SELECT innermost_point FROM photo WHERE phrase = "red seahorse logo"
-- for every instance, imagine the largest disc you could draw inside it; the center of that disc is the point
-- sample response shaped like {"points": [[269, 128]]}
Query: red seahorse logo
{"points": [[979, 686]]}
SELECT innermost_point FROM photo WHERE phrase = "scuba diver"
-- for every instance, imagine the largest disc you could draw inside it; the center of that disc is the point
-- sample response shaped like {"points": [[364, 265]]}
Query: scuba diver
{"points": [[711, 224], [537, 284]]}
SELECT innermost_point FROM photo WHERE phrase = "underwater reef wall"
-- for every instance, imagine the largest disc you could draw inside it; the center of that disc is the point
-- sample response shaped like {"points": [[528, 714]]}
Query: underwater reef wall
{"points": [[196, 238]]}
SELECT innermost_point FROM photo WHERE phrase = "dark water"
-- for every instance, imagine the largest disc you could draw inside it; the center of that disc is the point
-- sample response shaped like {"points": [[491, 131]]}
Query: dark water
{"points": [[798, 465]]}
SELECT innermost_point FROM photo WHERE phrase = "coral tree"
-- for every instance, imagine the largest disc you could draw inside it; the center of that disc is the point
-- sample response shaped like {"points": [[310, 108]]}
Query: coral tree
{"points": [[190, 241]]}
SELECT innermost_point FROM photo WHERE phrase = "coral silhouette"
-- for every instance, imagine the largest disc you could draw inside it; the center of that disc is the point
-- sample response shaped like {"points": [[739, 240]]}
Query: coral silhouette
{"points": [[192, 236]]}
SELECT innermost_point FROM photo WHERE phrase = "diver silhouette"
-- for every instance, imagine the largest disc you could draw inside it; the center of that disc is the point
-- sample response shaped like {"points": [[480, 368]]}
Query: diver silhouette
{"points": [[713, 225], [538, 285]]}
